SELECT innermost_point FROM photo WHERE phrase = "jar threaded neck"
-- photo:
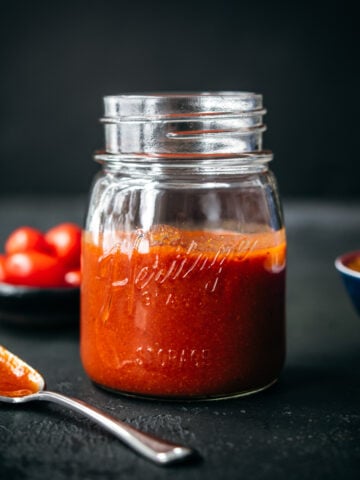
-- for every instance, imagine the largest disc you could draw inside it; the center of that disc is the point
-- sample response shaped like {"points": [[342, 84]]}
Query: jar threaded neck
{"points": [[184, 124]]}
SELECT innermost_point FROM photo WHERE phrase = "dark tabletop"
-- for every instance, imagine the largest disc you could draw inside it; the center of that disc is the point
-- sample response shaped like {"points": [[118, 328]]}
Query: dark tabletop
{"points": [[307, 426]]}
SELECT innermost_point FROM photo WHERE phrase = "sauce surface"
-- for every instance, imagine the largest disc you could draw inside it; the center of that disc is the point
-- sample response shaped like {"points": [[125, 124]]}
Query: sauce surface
{"points": [[354, 264], [16, 378], [177, 313]]}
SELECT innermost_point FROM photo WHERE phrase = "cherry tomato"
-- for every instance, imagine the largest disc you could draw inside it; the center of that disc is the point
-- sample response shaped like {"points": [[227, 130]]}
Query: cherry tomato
{"points": [[24, 239], [2, 268], [34, 269], [66, 242], [73, 278]]}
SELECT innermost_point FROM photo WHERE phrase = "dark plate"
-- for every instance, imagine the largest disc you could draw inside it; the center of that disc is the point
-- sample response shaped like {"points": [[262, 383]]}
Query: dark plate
{"points": [[48, 307]]}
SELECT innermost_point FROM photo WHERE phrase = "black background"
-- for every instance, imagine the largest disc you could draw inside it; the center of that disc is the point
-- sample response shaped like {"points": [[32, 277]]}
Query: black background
{"points": [[58, 59]]}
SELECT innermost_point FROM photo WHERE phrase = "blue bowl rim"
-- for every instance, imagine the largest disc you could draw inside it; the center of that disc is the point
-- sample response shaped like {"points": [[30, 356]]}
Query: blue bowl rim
{"points": [[340, 263]]}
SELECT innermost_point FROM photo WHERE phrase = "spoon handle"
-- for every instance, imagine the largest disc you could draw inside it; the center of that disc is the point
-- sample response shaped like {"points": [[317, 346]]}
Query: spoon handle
{"points": [[155, 449]]}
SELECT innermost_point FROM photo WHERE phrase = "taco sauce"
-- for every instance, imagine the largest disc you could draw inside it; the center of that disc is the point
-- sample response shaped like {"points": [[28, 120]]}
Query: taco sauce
{"points": [[16, 378], [183, 314], [354, 264]]}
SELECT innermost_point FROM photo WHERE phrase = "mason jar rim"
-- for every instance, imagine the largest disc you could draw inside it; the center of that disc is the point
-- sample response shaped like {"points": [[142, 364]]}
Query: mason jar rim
{"points": [[184, 104]]}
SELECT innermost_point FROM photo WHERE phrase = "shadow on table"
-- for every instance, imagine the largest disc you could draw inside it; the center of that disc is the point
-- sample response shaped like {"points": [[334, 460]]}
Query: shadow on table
{"points": [[327, 380]]}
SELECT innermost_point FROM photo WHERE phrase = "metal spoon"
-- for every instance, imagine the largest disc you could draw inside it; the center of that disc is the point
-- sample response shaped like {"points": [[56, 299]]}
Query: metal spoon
{"points": [[155, 449]]}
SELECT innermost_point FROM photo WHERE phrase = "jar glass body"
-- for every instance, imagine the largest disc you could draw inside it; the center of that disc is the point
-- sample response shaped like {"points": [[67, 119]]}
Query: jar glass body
{"points": [[183, 276]]}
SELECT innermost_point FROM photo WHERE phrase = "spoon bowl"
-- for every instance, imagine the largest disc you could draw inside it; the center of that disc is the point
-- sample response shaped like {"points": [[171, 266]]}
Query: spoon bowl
{"points": [[20, 383]]}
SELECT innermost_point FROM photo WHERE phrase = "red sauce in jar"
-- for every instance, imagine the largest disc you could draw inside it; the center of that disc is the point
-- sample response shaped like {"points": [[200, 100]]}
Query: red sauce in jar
{"points": [[16, 378], [183, 314]]}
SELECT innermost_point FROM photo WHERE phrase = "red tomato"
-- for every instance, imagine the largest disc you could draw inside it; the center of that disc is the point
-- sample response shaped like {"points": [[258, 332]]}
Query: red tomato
{"points": [[2, 268], [66, 241], [73, 278], [34, 269], [24, 239]]}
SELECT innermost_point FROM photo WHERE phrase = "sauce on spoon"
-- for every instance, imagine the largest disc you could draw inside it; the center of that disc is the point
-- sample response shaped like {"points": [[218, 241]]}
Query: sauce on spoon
{"points": [[16, 378]]}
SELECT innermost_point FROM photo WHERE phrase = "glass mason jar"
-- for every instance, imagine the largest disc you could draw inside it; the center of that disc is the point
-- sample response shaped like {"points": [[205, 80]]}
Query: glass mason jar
{"points": [[183, 263]]}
